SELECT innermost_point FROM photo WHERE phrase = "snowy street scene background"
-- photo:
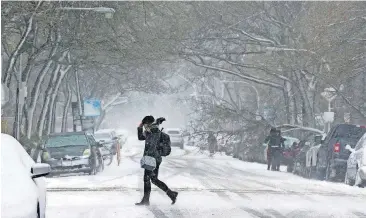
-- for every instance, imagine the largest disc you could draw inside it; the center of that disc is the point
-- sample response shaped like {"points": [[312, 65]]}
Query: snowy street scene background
{"points": [[183, 109]]}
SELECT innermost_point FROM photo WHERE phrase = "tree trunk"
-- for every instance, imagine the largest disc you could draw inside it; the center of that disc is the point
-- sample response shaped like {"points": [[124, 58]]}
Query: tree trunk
{"points": [[292, 109], [99, 121], [60, 77], [66, 109], [13, 57], [46, 102], [37, 86]]}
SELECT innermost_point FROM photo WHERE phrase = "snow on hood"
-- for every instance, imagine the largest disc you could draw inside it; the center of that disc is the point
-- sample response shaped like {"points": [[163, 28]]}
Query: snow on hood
{"points": [[18, 191]]}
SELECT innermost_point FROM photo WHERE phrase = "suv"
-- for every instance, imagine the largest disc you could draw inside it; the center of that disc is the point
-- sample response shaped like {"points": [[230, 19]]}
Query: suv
{"points": [[72, 152], [331, 161], [176, 137]]}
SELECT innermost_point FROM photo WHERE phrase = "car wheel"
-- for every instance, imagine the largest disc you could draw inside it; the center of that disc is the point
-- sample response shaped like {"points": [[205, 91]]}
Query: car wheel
{"points": [[181, 146], [320, 173], [359, 182], [348, 181]]}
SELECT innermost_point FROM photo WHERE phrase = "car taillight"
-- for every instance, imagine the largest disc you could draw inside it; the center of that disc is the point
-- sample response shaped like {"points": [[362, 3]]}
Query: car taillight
{"points": [[361, 126], [337, 147]]}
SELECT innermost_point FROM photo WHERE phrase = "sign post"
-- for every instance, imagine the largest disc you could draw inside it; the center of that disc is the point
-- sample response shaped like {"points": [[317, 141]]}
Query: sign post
{"points": [[92, 109]]}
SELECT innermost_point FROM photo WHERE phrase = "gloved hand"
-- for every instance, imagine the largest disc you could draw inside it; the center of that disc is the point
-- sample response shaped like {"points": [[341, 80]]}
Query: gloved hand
{"points": [[160, 120]]}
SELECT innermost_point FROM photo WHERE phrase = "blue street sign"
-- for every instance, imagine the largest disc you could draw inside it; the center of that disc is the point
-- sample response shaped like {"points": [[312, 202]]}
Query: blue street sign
{"points": [[92, 107]]}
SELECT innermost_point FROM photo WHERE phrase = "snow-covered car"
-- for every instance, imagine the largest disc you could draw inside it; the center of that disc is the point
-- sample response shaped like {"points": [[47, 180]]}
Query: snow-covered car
{"points": [[23, 188], [176, 137], [72, 152], [331, 158], [356, 164], [109, 139]]}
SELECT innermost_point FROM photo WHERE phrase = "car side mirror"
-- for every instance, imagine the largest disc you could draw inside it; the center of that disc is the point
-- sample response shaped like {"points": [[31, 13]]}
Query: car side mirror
{"points": [[40, 169], [348, 147], [115, 138]]}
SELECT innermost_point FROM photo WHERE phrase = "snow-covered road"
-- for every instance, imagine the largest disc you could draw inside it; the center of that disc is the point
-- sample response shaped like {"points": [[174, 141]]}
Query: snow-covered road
{"points": [[208, 187]]}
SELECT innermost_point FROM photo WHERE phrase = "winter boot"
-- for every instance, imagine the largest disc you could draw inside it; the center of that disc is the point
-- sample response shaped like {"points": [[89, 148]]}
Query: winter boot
{"points": [[172, 195], [145, 200]]}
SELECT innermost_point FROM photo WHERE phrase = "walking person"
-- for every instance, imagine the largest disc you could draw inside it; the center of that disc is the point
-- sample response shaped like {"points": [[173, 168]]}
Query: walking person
{"points": [[270, 141], [151, 136], [279, 154]]}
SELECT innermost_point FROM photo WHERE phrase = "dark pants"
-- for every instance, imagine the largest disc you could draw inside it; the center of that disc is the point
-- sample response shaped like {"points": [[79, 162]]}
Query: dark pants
{"points": [[153, 177], [269, 159], [276, 159]]}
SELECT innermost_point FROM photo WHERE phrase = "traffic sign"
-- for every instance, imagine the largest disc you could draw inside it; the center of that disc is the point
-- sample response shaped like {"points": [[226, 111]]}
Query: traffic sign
{"points": [[92, 107]]}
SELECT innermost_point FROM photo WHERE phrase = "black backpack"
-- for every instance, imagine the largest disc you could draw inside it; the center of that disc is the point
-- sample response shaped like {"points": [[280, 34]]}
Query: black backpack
{"points": [[165, 144]]}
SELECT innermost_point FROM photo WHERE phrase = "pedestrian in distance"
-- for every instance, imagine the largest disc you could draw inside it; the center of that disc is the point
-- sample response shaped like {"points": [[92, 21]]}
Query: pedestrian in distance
{"points": [[282, 147], [269, 140], [152, 138], [273, 142]]}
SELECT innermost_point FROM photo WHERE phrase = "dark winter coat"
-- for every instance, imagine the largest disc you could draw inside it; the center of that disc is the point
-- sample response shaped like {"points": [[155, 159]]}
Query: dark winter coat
{"points": [[152, 140], [274, 141]]}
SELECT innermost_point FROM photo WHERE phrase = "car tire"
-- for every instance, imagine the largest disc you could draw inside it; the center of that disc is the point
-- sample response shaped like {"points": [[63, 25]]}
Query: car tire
{"points": [[360, 183], [348, 181], [320, 173], [38, 211]]}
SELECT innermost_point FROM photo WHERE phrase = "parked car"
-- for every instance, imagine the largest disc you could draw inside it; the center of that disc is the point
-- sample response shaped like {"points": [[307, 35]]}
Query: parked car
{"points": [[311, 157], [331, 158], [301, 161], [176, 137], [299, 167], [23, 188], [109, 139], [72, 152], [356, 164]]}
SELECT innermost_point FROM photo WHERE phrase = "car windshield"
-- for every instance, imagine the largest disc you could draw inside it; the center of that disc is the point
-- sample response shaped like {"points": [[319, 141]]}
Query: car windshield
{"points": [[66, 140]]}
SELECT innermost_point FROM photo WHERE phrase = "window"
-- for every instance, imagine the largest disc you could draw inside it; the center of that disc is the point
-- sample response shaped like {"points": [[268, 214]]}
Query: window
{"points": [[361, 143]]}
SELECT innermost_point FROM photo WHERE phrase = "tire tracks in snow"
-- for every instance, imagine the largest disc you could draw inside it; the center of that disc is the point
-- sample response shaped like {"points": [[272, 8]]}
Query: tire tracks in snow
{"points": [[199, 174], [359, 214]]}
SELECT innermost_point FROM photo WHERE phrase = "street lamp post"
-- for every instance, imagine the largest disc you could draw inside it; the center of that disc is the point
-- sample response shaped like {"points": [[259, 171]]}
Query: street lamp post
{"points": [[329, 95]]}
